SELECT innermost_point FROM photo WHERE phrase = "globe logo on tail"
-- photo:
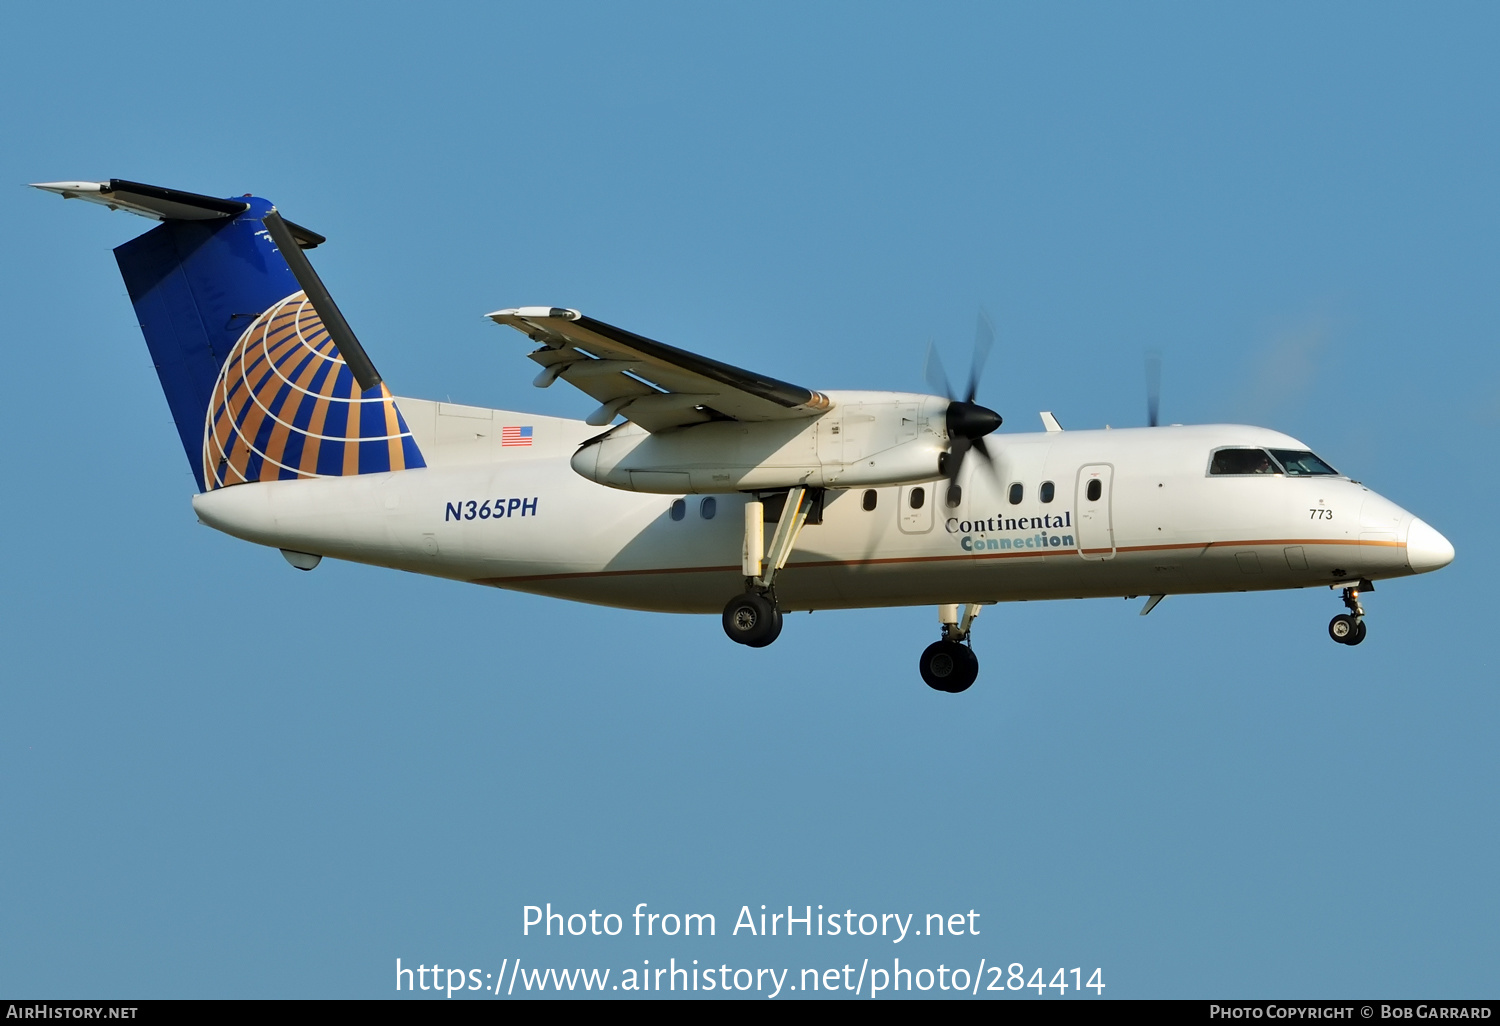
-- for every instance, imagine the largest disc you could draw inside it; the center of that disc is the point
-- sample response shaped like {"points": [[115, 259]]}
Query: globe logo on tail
{"points": [[286, 406]]}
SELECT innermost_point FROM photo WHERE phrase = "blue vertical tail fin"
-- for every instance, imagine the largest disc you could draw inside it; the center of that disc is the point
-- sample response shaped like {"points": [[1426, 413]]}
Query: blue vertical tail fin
{"points": [[263, 376]]}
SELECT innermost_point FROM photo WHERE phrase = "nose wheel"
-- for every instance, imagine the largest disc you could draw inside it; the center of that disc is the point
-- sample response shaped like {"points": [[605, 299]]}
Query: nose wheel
{"points": [[950, 664], [1349, 628], [1346, 630]]}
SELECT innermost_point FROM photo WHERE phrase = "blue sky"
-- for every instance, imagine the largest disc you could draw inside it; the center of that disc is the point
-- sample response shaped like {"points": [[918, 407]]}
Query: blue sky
{"points": [[220, 777]]}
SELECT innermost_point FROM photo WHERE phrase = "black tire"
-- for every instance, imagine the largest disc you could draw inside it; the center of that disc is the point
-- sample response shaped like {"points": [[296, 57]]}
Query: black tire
{"points": [[751, 619], [774, 633], [1358, 635], [949, 666], [1343, 627]]}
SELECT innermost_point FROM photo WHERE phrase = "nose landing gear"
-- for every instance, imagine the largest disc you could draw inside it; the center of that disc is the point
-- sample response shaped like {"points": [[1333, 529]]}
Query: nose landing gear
{"points": [[1349, 628], [1346, 630], [950, 664]]}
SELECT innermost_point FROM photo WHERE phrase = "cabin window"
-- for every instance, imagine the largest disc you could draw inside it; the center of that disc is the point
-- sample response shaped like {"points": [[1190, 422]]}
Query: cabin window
{"points": [[1048, 491], [1094, 490], [1017, 493], [1230, 462], [679, 509], [708, 507], [871, 497], [1301, 463], [918, 497], [955, 496]]}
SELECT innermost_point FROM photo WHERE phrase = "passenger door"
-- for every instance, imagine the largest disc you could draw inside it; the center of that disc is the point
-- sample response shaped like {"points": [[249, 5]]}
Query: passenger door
{"points": [[1096, 534]]}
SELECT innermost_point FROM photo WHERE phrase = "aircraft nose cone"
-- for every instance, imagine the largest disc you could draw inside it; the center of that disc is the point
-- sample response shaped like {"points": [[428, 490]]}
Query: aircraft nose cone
{"points": [[970, 420], [1426, 549]]}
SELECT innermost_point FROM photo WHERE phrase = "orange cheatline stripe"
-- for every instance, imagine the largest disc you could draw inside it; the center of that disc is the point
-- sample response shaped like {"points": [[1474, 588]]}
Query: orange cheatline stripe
{"points": [[618, 573], [888, 560], [1295, 541]]}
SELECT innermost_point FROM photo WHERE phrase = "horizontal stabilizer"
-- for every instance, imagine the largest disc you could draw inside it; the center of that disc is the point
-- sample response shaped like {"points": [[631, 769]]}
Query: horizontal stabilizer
{"points": [[165, 204]]}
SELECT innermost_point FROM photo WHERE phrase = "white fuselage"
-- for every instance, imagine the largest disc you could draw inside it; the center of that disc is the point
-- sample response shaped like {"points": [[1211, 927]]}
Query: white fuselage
{"points": [[522, 518]]}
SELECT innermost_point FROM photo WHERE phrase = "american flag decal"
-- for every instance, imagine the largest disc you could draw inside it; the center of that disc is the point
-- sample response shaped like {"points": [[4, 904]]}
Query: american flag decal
{"points": [[515, 435]]}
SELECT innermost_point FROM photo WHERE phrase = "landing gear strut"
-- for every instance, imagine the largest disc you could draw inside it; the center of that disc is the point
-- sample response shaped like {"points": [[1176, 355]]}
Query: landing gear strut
{"points": [[1349, 628], [753, 618], [950, 664]]}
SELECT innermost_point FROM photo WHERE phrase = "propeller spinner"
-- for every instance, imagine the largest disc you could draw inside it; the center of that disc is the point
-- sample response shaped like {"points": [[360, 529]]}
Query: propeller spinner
{"points": [[968, 422]]}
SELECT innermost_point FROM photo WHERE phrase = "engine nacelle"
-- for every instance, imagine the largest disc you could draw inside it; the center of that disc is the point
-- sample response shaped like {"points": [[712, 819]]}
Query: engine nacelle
{"points": [[867, 439]]}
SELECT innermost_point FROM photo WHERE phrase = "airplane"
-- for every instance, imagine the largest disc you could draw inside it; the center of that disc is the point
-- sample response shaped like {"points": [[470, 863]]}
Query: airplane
{"points": [[664, 497]]}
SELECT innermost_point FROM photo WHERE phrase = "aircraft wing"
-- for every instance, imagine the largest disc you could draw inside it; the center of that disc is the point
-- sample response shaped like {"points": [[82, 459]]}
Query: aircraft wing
{"points": [[653, 384]]}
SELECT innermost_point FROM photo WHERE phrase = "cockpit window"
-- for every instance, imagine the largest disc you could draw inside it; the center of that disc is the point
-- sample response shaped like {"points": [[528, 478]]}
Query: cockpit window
{"points": [[1243, 461], [1301, 463]]}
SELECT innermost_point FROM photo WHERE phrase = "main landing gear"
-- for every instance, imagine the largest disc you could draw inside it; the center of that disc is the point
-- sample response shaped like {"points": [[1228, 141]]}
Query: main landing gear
{"points": [[950, 664], [753, 618], [1349, 628]]}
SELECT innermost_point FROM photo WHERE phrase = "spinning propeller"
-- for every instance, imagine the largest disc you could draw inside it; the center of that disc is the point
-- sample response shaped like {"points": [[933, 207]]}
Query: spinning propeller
{"points": [[1153, 389], [967, 421]]}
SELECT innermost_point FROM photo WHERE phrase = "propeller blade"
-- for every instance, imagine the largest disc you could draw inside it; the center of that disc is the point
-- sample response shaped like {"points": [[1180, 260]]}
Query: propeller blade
{"points": [[932, 370], [953, 459], [952, 465], [989, 460], [966, 420], [984, 340], [1153, 389], [984, 451]]}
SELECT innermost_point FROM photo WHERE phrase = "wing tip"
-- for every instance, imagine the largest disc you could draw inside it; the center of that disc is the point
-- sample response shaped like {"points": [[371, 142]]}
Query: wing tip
{"points": [[69, 190], [532, 312]]}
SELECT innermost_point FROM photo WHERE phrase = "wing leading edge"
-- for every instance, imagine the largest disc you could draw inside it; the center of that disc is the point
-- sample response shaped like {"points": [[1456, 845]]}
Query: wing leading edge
{"points": [[659, 387]]}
